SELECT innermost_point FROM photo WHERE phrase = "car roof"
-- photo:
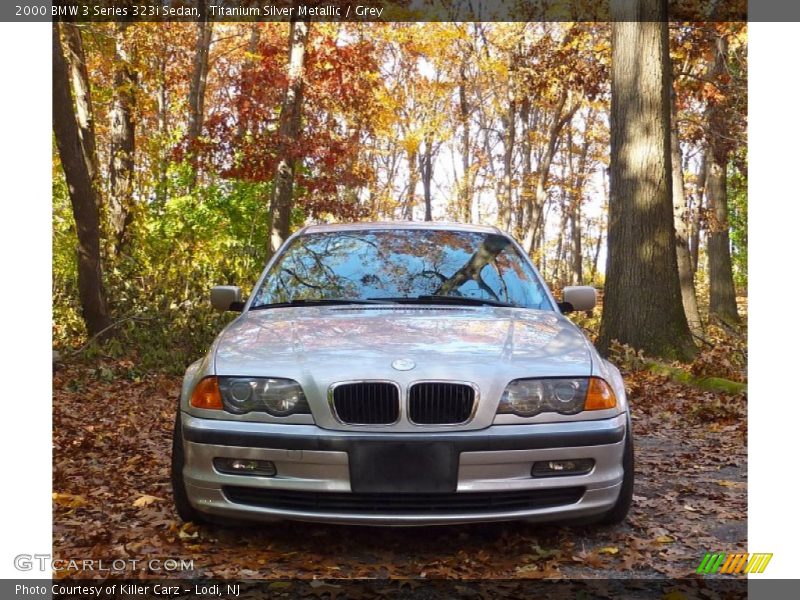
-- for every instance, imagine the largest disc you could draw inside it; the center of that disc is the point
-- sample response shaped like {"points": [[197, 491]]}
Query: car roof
{"points": [[429, 225]]}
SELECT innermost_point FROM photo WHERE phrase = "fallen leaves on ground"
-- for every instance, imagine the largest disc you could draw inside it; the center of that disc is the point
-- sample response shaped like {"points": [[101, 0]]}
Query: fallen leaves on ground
{"points": [[145, 500], [112, 498], [69, 500]]}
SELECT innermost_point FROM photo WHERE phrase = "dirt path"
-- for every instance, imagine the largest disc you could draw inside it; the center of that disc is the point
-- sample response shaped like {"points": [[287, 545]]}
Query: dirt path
{"points": [[112, 499]]}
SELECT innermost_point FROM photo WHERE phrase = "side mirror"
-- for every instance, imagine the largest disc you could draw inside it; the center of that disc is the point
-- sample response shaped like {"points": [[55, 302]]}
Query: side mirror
{"points": [[227, 297], [578, 298]]}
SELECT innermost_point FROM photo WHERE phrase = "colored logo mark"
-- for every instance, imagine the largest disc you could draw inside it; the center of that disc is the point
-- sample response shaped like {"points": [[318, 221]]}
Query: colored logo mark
{"points": [[742, 563]]}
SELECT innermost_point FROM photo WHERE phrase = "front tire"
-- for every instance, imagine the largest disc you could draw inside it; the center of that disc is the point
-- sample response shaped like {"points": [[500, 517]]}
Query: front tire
{"points": [[619, 512], [180, 497]]}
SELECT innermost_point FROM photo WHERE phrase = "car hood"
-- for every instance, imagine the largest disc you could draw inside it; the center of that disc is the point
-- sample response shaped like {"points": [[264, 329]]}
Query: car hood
{"points": [[361, 342], [484, 346]]}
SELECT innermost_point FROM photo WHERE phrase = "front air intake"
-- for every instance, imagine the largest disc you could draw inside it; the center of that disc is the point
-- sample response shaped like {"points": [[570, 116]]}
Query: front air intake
{"points": [[440, 403], [366, 403]]}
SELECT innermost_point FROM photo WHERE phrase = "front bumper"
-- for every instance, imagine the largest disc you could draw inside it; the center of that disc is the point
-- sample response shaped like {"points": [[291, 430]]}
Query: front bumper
{"points": [[313, 480]]}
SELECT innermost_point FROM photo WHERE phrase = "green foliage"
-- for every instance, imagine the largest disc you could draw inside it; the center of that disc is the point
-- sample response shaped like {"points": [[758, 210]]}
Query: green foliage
{"points": [[737, 216], [371, 96], [588, 321], [158, 287], [713, 384], [628, 359], [67, 321]]}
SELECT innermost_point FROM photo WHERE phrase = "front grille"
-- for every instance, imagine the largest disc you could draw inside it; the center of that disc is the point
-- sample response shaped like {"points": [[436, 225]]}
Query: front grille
{"points": [[397, 504], [438, 403], [367, 403]]}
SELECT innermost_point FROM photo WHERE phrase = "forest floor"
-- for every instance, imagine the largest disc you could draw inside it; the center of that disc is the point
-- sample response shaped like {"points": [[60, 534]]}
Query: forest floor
{"points": [[112, 498]]}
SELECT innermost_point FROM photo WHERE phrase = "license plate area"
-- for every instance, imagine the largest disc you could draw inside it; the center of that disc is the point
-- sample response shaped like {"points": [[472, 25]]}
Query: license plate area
{"points": [[403, 467]]}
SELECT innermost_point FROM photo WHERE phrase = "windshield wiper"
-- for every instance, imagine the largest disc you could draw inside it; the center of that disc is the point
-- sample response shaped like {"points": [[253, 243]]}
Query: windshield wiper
{"points": [[455, 300], [319, 302]]}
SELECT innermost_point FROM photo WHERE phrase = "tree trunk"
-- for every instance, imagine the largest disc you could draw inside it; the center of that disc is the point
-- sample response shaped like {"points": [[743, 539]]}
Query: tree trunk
{"points": [[463, 117], [643, 306], [526, 188], [246, 76], [696, 217], [597, 248], [122, 140], [426, 170], [413, 174], [506, 201], [559, 271], [722, 302], [577, 249], [281, 203], [720, 269], [76, 58], [197, 85], [162, 104], [685, 272], [534, 222], [197, 89], [579, 178], [82, 196]]}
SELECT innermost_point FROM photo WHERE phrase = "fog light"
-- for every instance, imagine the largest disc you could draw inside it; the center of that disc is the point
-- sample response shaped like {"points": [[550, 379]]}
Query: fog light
{"points": [[556, 468], [245, 466]]}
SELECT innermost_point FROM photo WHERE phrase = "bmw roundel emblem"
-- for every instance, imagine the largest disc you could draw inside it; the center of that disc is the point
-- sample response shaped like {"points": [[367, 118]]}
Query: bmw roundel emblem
{"points": [[403, 364]]}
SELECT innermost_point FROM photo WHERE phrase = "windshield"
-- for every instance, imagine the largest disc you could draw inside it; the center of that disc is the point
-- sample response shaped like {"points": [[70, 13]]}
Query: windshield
{"points": [[402, 265]]}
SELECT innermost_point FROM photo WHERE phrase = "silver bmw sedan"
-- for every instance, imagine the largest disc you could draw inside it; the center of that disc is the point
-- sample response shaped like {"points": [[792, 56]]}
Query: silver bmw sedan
{"points": [[402, 374]]}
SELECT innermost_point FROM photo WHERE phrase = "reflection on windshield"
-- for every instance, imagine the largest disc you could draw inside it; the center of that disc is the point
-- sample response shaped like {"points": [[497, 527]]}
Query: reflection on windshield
{"points": [[402, 263]]}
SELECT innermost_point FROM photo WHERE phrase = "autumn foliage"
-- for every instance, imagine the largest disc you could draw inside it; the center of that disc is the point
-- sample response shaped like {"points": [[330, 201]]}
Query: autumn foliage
{"points": [[501, 123], [505, 124]]}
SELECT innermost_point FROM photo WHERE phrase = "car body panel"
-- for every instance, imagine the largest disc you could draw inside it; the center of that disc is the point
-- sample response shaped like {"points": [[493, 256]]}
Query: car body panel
{"points": [[484, 346], [311, 460], [320, 346]]}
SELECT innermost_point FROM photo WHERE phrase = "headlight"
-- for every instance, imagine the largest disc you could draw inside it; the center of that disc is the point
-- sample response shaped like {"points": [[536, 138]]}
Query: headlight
{"points": [[566, 396], [278, 397]]}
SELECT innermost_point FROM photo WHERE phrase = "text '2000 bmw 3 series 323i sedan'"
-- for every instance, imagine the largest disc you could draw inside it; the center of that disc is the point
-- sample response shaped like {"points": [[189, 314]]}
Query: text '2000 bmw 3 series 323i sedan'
{"points": [[402, 374]]}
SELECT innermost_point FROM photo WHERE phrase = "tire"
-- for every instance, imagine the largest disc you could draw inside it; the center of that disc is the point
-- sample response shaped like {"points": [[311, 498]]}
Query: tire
{"points": [[181, 499], [619, 512]]}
